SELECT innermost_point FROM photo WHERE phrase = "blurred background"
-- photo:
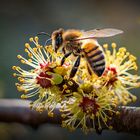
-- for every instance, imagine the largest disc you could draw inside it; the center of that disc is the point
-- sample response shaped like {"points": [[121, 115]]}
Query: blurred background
{"points": [[21, 19]]}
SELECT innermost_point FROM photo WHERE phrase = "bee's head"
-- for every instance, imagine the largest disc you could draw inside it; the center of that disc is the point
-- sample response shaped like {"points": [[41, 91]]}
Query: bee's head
{"points": [[57, 39]]}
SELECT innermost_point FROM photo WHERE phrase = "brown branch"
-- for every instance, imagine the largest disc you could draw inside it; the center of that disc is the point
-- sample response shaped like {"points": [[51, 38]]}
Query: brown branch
{"points": [[14, 110]]}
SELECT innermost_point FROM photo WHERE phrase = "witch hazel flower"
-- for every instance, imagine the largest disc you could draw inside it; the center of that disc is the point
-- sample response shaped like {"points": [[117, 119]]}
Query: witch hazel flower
{"points": [[43, 77]]}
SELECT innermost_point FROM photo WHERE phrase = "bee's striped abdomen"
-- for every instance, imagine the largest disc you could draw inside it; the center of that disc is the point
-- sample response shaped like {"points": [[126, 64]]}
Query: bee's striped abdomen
{"points": [[95, 58]]}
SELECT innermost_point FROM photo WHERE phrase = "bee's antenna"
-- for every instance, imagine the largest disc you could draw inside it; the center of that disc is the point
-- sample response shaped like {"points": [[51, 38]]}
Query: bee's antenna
{"points": [[43, 33], [47, 41]]}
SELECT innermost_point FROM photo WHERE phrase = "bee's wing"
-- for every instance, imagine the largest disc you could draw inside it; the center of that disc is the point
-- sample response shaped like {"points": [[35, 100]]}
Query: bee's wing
{"points": [[99, 33]]}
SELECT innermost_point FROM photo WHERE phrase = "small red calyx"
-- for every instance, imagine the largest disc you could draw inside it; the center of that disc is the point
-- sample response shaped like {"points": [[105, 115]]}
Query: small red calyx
{"points": [[43, 80], [111, 73], [89, 105], [110, 69], [46, 66]]}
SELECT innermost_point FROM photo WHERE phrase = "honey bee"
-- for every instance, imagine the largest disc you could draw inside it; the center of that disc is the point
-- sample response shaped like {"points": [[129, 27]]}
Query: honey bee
{"points": [[83, 44]]}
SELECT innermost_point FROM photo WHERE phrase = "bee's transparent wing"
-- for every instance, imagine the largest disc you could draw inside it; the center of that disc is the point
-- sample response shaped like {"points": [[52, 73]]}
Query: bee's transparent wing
{"points": [[99, 33]]}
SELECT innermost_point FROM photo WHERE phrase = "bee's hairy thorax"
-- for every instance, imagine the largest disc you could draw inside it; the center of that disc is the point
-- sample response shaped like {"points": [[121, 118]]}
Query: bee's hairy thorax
{"points": [[74, 47], [69, 45]]}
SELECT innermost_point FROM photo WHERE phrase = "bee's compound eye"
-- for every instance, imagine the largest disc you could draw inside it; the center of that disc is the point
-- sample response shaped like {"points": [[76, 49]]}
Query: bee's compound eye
{"points": [[59, 40]]}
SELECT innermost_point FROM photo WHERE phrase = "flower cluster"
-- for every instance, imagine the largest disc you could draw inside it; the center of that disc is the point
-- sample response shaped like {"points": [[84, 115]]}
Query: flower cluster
{"points": [[43, 78], [117, 76], [87, 106], [86, 100]]}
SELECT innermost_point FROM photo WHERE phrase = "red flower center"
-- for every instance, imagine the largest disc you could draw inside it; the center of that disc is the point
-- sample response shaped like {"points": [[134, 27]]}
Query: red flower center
{"points": [[112, 70], [89, 105], [43, 80], [112, 73]]}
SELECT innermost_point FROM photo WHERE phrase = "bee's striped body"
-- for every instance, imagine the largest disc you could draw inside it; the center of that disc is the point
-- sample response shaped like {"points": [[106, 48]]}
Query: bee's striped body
{"points": [[94, 56]]}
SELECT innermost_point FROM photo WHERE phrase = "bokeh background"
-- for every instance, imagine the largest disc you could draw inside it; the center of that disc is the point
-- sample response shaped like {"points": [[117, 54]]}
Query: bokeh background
{"points": [[21, 19]]}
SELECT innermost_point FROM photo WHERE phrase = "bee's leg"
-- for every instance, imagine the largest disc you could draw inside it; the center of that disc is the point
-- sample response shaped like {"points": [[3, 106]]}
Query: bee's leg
{"points": [[64, 57], [89, 70], [75, 67], [63, 50]]}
